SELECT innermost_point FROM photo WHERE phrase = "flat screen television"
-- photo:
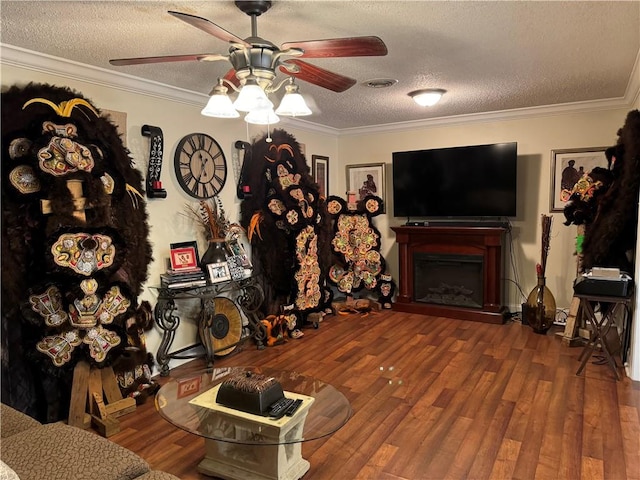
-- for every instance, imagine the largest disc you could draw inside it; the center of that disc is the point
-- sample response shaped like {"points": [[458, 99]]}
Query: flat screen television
{"points": [[477, 181]]}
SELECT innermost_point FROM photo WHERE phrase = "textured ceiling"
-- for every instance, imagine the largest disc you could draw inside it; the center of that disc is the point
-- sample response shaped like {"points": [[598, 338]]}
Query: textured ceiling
{"points": [[489, 56]]}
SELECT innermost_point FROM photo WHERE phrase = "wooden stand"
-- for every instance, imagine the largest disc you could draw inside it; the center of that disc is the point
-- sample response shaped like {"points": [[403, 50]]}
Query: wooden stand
{"points": [[89, 385], [570, 336]]}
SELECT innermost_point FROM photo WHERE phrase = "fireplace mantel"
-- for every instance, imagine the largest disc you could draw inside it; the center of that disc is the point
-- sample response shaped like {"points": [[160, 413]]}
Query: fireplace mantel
{"points": [[484, 241]]}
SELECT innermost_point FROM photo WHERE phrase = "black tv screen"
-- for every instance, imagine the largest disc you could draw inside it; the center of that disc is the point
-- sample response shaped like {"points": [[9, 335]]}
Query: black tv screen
{"points": [[471, 181]]}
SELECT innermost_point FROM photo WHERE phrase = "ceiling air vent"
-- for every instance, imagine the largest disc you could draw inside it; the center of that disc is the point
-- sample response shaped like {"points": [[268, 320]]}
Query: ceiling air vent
{"points": [[380, 83]]}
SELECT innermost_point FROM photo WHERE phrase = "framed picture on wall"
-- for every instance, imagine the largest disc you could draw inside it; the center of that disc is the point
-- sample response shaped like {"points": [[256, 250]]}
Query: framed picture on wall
{"points": [[366, 179], [320, 173], [567, 167]]}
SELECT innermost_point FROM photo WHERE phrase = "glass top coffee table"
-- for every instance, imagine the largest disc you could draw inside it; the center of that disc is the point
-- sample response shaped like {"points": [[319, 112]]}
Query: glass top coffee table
{"points": [[244, 446]]}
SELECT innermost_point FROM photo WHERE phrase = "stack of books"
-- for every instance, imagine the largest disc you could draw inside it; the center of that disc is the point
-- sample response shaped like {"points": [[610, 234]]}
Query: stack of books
{"points": [[183, 278]]}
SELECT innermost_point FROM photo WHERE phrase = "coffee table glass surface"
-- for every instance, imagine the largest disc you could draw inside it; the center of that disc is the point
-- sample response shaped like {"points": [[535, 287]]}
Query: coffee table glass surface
{"points": [[189, 403]]}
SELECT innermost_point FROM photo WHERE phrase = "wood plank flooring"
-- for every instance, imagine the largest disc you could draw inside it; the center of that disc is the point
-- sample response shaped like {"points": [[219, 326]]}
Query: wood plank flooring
{"points": [[437, 398]]}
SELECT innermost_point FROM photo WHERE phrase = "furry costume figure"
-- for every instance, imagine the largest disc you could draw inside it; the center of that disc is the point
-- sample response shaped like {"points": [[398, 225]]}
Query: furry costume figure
{"points": [[75, 247], [284, 216], [356, 243], [386, 288], [610, 234], [582, 206]]}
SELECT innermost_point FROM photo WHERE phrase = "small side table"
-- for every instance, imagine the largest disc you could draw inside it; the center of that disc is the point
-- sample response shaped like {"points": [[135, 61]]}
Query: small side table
{"points": [[601, 326], [247, 294]]}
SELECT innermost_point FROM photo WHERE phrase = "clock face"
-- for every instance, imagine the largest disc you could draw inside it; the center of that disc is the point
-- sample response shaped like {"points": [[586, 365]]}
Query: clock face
{"points": [[201, 168]]}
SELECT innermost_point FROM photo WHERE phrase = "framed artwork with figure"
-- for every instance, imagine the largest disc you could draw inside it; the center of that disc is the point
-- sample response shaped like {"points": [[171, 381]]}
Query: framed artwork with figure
{"points": [[367, 179], [320, 173], [567, 167]]}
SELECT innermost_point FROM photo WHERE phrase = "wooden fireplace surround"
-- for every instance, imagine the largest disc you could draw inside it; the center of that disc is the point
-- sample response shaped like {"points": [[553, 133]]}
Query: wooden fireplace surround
{"points": [[484, 241]]}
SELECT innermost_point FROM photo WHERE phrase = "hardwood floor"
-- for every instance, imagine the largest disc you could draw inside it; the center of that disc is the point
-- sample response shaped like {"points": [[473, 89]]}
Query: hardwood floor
{"points": [[437, 398]]}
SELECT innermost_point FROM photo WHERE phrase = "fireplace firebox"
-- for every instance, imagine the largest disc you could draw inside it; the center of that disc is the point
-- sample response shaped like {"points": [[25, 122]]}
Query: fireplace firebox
{"points": [[452, 272], [448, 279]]}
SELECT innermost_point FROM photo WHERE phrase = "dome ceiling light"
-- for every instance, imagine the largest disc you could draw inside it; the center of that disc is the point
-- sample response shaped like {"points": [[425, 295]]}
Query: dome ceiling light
{"points": [[427, 97]]}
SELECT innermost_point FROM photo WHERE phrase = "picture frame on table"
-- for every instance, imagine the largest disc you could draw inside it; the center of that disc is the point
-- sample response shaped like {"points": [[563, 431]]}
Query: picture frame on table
{"points": [[367, 179], [237, 250], [218, 272], [184, 256], [567, 167], [320, 173]]}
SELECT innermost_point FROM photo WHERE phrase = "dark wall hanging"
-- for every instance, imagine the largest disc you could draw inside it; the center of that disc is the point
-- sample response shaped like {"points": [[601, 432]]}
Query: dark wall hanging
{"points": [[287, 224], [605, 201], [75, 249]]}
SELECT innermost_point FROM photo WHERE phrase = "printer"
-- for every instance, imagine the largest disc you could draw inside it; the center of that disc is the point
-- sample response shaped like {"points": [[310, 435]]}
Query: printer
{"points": [[606, 282]]}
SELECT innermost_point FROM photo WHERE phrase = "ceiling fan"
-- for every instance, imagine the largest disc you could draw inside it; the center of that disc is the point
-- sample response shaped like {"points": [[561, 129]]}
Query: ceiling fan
{"points": [[255, 57]]}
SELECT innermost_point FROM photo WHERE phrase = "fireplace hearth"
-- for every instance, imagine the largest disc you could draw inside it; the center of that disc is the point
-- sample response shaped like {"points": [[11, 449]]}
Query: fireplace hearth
{"points": [[453, 272]]}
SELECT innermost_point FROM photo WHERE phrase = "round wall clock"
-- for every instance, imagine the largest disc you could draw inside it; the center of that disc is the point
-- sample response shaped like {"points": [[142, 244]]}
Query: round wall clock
{"points": [[201, 168]]}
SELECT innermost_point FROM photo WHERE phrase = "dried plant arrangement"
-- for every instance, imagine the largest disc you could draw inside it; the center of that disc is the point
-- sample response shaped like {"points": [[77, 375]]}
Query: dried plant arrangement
{"points": [[211, 216], [541, 268]]}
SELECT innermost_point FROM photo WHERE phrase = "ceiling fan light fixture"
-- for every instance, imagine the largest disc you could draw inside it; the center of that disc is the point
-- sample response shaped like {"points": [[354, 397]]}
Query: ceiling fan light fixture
{"points": [[427, 97], [219, 104], [251, 96], [293, 104]]}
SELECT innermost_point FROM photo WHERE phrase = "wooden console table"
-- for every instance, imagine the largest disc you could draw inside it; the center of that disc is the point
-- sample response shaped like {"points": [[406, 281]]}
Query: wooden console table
{"points": [[486, 242]]}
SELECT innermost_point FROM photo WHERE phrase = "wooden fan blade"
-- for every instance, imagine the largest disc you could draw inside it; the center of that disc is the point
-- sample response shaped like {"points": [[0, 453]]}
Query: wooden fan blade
{"points": [[209, 27], [316, 75], [199, 57], [340, 47], [231, 77]]}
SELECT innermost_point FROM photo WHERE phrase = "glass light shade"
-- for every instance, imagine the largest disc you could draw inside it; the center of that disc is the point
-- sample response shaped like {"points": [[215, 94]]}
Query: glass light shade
{"points": [[427, 98], [220, 106], [262, 116], [293, 105], [250, 97]]}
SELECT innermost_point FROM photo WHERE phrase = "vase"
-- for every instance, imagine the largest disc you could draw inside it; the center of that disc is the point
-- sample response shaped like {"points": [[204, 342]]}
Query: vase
{"points": [[216, 252], [540, 309]]}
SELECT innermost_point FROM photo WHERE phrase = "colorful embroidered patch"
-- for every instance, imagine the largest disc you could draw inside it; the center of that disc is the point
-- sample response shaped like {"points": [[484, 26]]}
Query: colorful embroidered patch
{"points": [[100, 341], [59, 347], [24, 179], [63, 156], [114, 303], [88, 311], [358, 243], [49, 306], [83, 253], [307, 276]]}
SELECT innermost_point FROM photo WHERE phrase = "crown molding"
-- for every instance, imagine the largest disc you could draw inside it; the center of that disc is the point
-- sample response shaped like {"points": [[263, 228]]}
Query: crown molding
{"points": [[631, 97], [51, 65], [61, 67]]}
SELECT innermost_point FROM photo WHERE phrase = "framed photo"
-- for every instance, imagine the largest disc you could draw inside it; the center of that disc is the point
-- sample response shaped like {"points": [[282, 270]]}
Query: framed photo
{"points": [[237, 250], [184, 256], [188, 386], [320, 173], [567, 166], [218, 272], [367, 180]]}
